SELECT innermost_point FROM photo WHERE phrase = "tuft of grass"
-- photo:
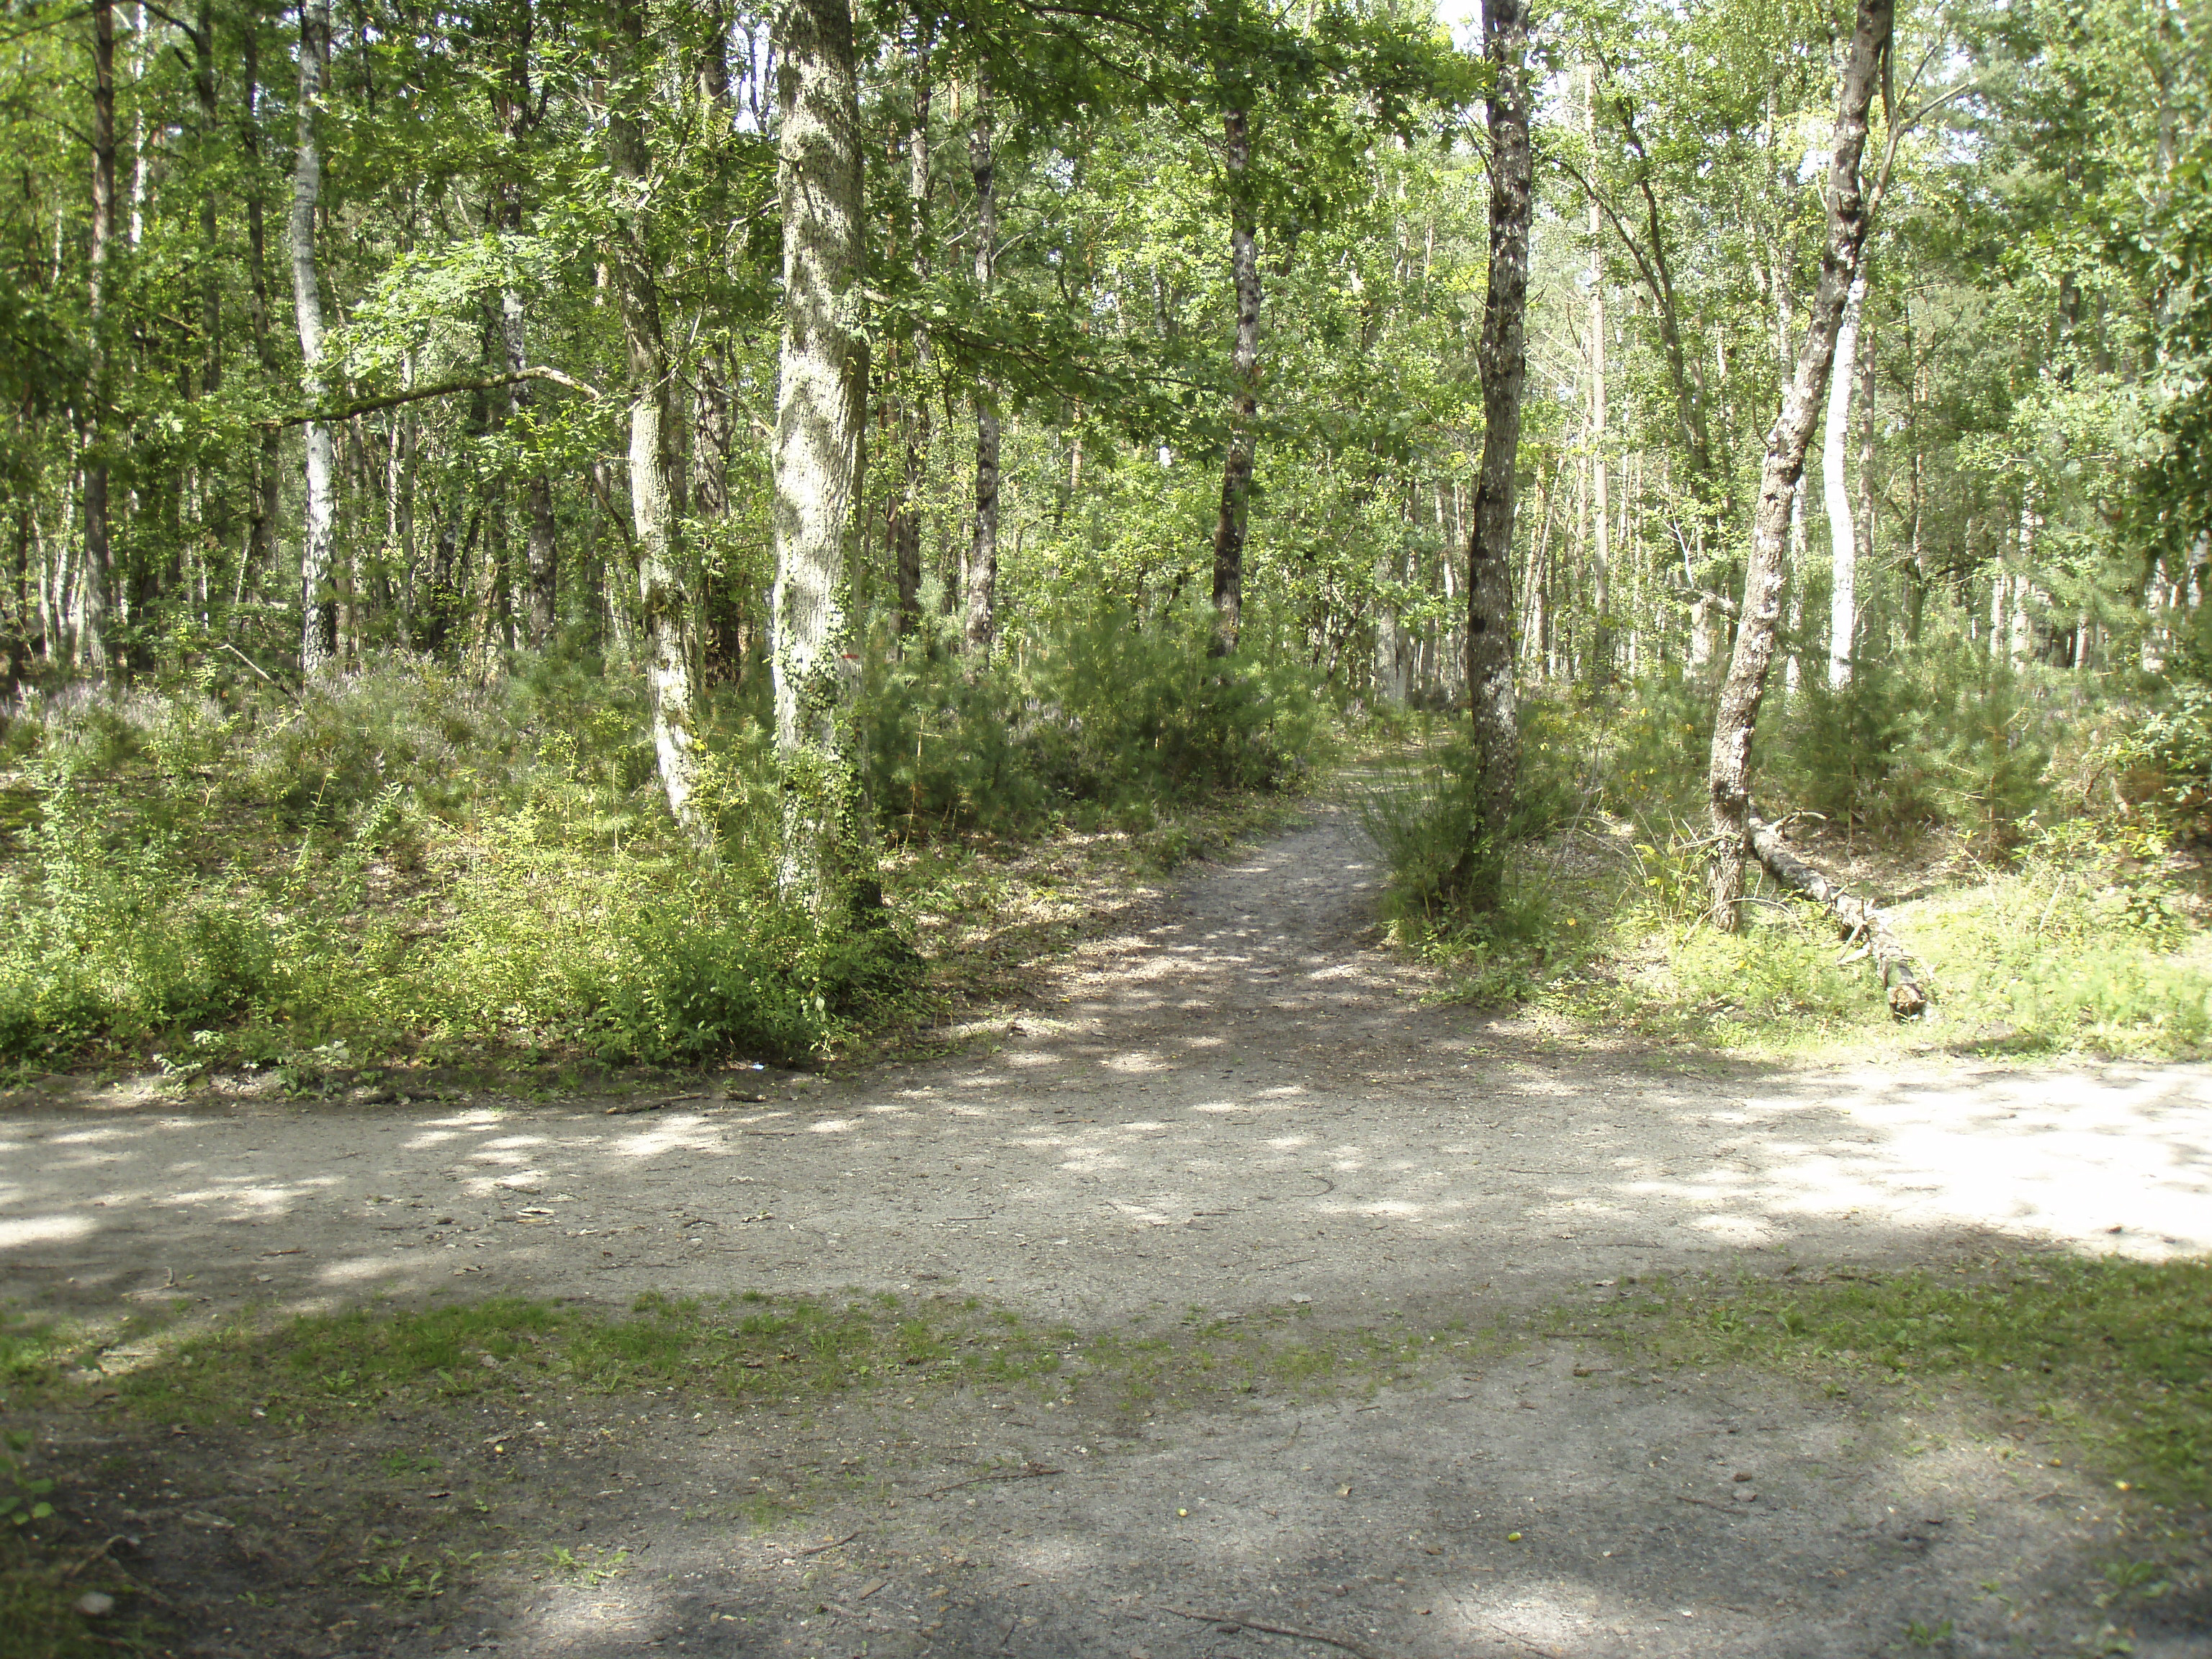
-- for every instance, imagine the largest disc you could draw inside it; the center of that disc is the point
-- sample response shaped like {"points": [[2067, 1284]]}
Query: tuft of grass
{"points": [[2114, 1355]]}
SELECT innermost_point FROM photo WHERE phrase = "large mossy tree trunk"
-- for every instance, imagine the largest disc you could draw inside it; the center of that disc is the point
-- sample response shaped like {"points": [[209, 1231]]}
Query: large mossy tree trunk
{"points": [[515, 106], [1230, 520], [1736, 719], [821, 389], [656, 455], [1476, 881], [318, 610]]}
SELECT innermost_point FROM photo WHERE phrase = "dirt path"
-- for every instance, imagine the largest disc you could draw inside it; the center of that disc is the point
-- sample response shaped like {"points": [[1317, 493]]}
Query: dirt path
{"points": [[1236, 1104]]}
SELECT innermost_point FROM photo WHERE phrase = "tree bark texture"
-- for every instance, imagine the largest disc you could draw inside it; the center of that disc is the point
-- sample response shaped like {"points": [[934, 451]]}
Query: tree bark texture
{"points": [[318, 597], [980, 582], [513, 106], [1862, 923], [1735, 720], [1478, 880], [821, 389], [1244, 379], [656, 458], [99, 553], [906, 526], [1835, 492]]}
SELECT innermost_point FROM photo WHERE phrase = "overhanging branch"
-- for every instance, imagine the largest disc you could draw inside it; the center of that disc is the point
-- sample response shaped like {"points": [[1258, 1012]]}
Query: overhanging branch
{"points": [[443, 389]]}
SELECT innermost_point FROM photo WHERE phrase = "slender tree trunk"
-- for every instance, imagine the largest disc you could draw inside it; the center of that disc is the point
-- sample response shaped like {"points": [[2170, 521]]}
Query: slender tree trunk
{"points": [[980, 582], [656, 460], [318, 600], [1601, 546], [1843, 533], [1244, 375], [1735, 720], [906, 527], [261, 536], [821, 390], [517, 115], [99, 552], [1478, 879]]}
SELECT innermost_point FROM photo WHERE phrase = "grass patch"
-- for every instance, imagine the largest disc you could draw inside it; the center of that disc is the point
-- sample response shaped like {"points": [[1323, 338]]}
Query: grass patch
{"points": [[300, 1372], [2112, 1356]]}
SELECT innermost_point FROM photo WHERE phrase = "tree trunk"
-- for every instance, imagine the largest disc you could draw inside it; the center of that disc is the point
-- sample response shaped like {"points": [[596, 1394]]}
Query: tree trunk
{"points": [[1842, 533], [99, 553], [980, 582], [1601, 545], [261, 533], [1244, 375], [656, 461], [513, 106], [1478, 879], [318, 600], [1736, 719], [906, 526], [822, 385]]}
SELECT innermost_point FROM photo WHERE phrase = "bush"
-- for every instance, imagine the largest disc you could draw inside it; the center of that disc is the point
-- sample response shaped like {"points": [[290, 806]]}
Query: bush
{"points": [[1099, 715]]}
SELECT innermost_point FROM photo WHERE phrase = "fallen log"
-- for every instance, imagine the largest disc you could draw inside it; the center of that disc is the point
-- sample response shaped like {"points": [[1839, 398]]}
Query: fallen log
{"points": [[1862, 922]]}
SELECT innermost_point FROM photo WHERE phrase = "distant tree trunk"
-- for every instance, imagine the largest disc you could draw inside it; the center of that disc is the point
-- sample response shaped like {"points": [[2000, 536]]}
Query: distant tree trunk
{"points": [[99, 552], [821, 389], [1244, 375], [1843, 533], [318, 600], [1478, 879], [656, 463], [517, 116], [906, 527], [1736, 719], [979, 583], [261, 531], [1601, 546]]}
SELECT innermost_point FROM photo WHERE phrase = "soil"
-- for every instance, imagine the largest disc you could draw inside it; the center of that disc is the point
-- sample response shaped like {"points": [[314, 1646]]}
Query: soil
{"points": [[1234, 1101]]}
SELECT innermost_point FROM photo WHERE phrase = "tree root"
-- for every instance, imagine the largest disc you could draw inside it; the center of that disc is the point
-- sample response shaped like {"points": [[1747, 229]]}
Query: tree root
{"points": [[1863, 924]]}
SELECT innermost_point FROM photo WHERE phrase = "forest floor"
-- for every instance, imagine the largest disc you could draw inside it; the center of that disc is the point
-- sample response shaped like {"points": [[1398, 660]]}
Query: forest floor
{"points": [[1227, 1120]]}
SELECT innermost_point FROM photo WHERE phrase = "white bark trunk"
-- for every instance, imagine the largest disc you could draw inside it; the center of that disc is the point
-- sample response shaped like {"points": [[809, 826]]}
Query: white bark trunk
{"points": [[1842, 533], [317, 609]]}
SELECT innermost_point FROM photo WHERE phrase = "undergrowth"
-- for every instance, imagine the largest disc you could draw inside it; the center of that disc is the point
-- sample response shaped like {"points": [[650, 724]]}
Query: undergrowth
{"points": [[410, 861]]}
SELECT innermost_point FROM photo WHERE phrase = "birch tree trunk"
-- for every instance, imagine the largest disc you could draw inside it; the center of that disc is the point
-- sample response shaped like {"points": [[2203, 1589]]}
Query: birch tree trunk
{"points": [[820, 387], [1244, 375], [1736, 719], [318, 600], [1478, 879], [1843, 531], [99, 555], [979, 581], [656, 458]]}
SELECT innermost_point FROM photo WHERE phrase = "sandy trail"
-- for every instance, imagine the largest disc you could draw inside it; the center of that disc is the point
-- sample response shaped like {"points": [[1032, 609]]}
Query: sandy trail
{"points": [[1237, 1102]]}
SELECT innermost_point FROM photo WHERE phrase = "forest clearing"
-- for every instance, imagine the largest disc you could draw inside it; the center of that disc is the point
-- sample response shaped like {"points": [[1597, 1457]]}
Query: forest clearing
{"points": [[1050, 828]]}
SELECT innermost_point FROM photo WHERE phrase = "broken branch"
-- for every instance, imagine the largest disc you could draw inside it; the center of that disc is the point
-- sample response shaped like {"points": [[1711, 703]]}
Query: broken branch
{"points": [[1860, 919], [1271, 1630]]}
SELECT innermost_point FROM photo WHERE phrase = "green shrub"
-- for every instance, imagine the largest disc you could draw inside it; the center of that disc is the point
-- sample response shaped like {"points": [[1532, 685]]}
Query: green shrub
{"points": [[1096, 714]]}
